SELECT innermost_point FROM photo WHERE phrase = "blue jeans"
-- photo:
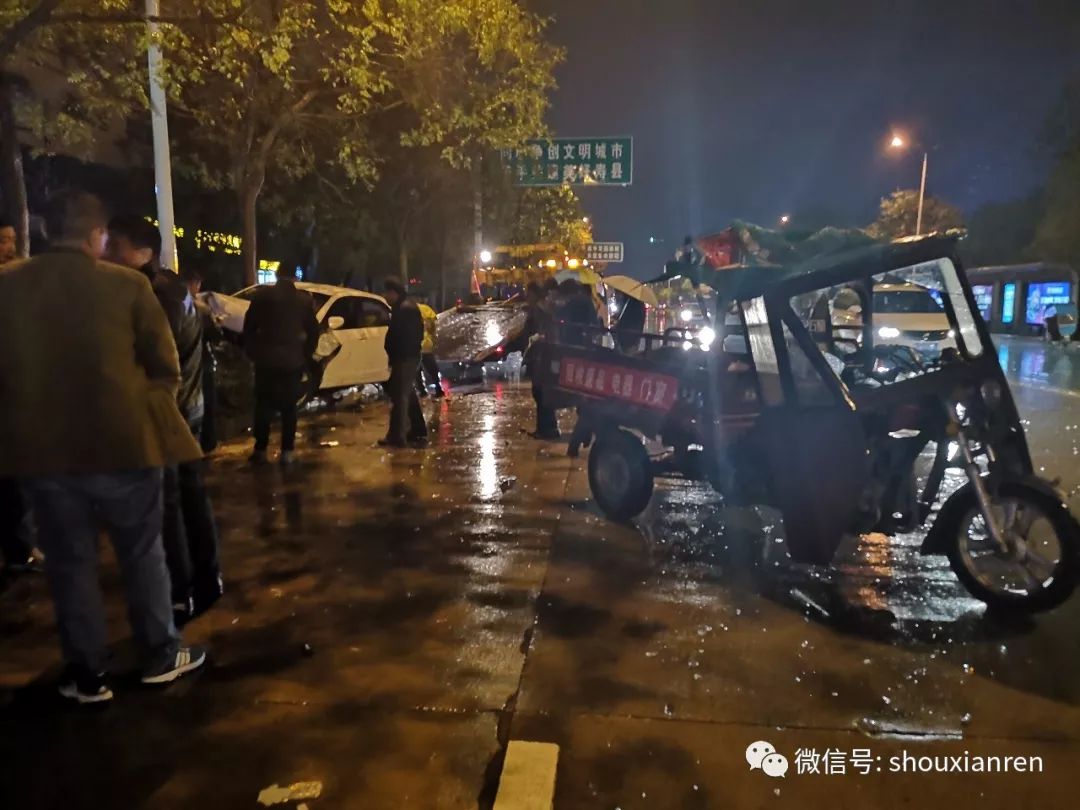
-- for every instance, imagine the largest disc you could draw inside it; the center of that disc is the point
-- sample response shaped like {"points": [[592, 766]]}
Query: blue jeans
{"points": [[71, 509]]}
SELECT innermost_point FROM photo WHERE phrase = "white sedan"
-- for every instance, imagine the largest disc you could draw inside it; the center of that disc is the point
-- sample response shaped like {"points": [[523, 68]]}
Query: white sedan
{"points": [[905, 314], [358, 320]]}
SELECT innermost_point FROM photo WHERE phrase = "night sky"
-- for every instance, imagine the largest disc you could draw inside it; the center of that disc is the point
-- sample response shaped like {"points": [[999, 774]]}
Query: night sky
{"points": [[756, 108]]}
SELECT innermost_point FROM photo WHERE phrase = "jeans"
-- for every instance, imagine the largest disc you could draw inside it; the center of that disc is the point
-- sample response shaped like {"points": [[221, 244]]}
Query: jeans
{"points": [[14, 547], [70, 510], [276, 391], [404, 404], [189, 531]]}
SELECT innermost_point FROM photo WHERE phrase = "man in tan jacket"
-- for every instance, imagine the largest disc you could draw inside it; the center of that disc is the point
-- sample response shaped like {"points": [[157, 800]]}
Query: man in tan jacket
{"points": [[88, 418]]}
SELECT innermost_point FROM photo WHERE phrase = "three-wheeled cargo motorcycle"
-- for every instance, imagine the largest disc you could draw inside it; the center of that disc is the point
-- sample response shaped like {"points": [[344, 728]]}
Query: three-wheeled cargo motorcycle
{"points": [[814, 393]]}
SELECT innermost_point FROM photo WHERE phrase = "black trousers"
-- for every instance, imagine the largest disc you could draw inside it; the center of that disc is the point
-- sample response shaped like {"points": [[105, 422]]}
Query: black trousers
{"points": [[276, 391], [547, 422], [404, 403], [189, 531], [13, 547], [207, 435]]}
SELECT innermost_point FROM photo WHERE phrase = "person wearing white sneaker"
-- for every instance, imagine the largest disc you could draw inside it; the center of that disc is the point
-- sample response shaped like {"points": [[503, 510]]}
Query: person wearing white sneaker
{"points": [[88, 419], [186, 659]]}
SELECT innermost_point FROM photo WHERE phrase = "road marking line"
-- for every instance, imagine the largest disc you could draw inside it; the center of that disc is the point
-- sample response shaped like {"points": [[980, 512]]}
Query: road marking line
{"points": [[528, 776]]}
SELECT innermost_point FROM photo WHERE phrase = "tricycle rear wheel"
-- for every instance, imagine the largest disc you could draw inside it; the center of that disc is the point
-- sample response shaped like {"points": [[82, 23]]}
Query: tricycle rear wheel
{"points": [[620, 474]]}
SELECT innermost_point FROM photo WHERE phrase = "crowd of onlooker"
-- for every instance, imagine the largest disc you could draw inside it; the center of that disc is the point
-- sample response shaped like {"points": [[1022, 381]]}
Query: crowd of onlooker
{"points": [[106, 379], [106, 382], [101, 401]]}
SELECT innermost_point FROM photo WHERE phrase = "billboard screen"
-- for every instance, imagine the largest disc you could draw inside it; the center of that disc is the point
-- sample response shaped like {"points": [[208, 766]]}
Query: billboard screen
{"points": [[984, 296], [1042, 295], [1008, 302]]}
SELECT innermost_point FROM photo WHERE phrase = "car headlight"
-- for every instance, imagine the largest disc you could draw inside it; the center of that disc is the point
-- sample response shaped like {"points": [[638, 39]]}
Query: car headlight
{"points": [[888, 332], [686, 315], [706, 337]]}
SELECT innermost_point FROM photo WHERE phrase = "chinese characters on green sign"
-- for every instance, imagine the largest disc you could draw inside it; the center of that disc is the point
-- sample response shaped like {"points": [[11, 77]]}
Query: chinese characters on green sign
{"points": [[576, 161]]}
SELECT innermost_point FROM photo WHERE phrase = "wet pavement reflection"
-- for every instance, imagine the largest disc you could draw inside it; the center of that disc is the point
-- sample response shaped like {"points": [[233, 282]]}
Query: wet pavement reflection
{"points": [[393, 619]]}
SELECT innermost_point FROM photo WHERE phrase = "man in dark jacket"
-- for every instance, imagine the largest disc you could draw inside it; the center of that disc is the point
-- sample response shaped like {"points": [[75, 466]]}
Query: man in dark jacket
{"points": [[575, 310], [15, 551], [403, 343], [88, 417], [539, 303], [189, 530], [212, 334], [280, 336]]}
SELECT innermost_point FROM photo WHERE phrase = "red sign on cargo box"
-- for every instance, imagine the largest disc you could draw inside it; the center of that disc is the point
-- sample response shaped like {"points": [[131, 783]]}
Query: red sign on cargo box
{"points": [[647, 389]]}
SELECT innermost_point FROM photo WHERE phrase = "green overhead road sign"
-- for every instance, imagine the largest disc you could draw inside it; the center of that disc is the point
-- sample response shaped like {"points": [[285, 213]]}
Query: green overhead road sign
{"points": [[574, 161]]}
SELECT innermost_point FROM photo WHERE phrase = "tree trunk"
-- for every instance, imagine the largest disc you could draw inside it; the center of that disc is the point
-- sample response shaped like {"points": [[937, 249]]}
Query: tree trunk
{"points": [[311, 273], [403, 260], [249, 199], [11, 170]]}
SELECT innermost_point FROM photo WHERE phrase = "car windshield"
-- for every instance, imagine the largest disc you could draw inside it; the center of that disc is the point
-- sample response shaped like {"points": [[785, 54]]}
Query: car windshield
{"points": [[906, 301]]}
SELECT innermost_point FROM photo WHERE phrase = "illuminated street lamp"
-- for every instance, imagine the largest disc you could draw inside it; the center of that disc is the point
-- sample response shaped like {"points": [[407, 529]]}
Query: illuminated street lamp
{"points": [[485, 257], [898, 142], [785, 219]]}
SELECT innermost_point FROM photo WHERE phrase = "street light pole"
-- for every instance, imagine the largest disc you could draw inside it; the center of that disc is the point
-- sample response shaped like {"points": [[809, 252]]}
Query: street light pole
{"points": [[922, 194], [162, 158]]}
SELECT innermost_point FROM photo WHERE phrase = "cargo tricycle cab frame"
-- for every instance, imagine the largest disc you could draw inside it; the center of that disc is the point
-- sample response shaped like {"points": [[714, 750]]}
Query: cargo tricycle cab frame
{"points": [[816, 442]]}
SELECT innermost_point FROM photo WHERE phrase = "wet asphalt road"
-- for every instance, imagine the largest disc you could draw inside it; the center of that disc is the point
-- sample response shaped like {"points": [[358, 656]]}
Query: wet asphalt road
{"points": [[394, 619]]}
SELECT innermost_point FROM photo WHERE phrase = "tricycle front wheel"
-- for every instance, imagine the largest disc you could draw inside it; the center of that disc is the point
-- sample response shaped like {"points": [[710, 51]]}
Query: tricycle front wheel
{"points": [[620, 474], [1038, 570]]}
